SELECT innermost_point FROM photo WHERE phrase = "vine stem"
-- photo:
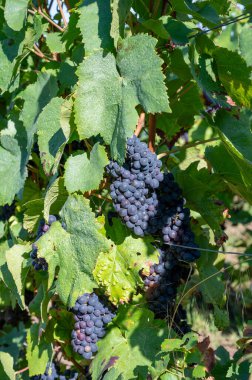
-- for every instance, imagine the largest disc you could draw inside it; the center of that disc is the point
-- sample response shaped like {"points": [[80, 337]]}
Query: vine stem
{"points": [[186, 146], [21, 370], [140, 124], [152, 132], [62, 13], [39, 11]]}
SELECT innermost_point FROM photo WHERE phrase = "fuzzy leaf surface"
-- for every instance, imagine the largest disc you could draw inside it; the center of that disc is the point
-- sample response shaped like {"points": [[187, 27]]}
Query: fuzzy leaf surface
{"points": [[53, 128], [74, 251], [83, 174], [118, 270], [125, 351]]}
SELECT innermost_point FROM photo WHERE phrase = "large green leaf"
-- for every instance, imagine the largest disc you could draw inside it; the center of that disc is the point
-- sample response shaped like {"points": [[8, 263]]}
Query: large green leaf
{"points": [[6, 366], [39, 352], [94, 23], [56, 196], [53, 127], [225, 165], [36, 96], [118, 270], [74, 251], [8, 53], [105, 102], [234, 75], [12, 162], [83, 174], [125, 352], [14, 271], [199, 189], [121, 9], [15, 13]]}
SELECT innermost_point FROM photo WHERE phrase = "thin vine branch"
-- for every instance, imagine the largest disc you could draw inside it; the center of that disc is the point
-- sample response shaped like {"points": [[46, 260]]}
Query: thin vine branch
{"points": [[140, 124], [152, 132], [39, 11], [186, 146], [21, 370], [62, 13]]}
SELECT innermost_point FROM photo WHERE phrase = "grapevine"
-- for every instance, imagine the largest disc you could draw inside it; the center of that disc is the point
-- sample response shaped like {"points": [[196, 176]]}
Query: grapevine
{"points": [[125, 147]]}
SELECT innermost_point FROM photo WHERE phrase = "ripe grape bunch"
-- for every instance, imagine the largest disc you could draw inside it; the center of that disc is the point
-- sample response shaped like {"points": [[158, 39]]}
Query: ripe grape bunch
{"points": [[133, 189], [53, 373], [39, 262], [172, 220], [161, 288], [91, 316]]}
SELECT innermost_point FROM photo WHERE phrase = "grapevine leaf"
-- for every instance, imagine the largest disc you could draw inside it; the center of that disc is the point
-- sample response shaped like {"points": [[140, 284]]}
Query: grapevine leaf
{"points": [[156, 26], [8, 81], [203, 12], [140, 67], [36, 96], [54, 42], [118, 270], [14, 271], [53, 127], [33, 213], [176, 29], [199, 371], [6, 366], [125, 352], [234, 75], [55, 198], [114, 97], [121, 9], [199, 189], [15, 13], [237, 138], [74, 251], [95, 29], [78, 169], [12, 166], [245, 41], [225, 165], [39, 352]]}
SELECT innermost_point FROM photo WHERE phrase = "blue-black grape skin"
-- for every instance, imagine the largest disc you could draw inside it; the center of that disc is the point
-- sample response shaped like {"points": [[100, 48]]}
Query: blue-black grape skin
{"points": [[52, 372], [91, 316]]}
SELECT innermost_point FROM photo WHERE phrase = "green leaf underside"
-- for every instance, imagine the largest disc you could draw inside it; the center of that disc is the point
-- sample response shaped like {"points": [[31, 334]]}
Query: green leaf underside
{"points": [[6, 366], [15, 12], [121, 9], [127, 354], [199, 189], [53, 128], [105, 102], [234, 75], [94, 23], [83, 174], [14, 272], [39, 352], [118, 270], [12, 166], [237, 138], [74, 251]]}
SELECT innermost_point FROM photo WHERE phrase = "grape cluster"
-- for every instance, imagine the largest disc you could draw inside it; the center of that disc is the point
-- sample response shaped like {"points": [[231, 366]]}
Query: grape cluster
{"points": [[39, 262], [161, 289], [52, 373], [133, 188], [91, 316], [172, 221]]}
